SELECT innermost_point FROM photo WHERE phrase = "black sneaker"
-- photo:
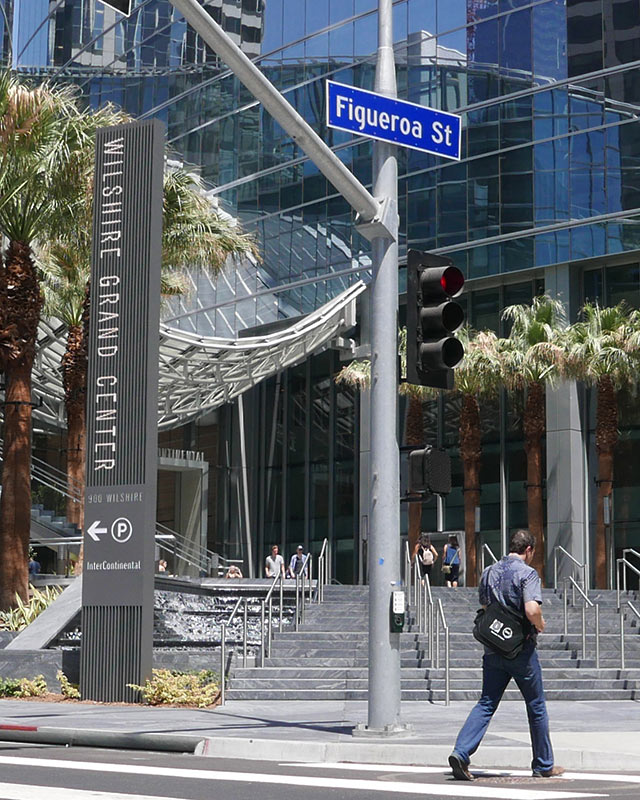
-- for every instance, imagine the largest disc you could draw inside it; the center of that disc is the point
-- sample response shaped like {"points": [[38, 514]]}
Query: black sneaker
{"points": [[459, 768]]}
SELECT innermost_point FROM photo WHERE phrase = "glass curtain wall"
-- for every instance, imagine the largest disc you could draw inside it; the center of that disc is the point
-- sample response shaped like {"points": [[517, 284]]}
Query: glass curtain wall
{"points": [[609, 284], [301, 432]]}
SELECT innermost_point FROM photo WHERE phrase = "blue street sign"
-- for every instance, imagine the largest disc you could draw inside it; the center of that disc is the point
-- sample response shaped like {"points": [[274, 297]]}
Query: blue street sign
{"points": [[398, 121]]}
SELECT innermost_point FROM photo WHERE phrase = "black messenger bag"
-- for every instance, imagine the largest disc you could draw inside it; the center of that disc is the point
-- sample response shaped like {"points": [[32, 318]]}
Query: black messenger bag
{"points": [[503, 630]]}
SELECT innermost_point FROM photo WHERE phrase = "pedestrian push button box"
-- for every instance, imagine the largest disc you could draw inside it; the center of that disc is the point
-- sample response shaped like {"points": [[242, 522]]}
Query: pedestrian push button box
{"points": [[398, 605]]}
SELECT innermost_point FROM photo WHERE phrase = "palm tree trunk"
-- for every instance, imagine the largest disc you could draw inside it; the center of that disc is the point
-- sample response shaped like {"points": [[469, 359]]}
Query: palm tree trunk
{"points": [[606, 440], [20, 305], [15, 502], [534, 429], [76, 453], [414, 435], [470, 454], [74, 371]]}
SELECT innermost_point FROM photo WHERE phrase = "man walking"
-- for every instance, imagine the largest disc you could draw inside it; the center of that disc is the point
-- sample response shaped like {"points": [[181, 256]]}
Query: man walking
{"points": [[514, 584]]}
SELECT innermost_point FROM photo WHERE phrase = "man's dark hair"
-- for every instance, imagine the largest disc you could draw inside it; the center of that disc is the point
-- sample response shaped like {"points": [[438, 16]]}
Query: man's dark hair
{"points": [[520, 540]]}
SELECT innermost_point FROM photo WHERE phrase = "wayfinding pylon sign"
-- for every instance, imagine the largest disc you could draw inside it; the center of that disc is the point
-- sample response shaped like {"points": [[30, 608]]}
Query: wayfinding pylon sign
{"points": [[122, 412]]}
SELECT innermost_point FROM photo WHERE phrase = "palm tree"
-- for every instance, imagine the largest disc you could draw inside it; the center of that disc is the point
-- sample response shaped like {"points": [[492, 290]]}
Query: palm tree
{"points": [[532, 356], [41, 133], [477, 377], [194, 235], [602, 349]]}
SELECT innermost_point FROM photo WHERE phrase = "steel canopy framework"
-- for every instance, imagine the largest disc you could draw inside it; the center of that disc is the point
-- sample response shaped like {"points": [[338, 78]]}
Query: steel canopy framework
{"points": [[200, 373]]}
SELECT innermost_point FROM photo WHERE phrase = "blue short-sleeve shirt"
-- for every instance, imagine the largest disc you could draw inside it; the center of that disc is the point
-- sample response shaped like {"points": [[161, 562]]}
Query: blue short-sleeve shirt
{"points": [[510, 582]]}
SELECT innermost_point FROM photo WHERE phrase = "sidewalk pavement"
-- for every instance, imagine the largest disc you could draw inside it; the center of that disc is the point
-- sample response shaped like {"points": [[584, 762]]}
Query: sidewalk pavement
{"points": [[599, 735]]}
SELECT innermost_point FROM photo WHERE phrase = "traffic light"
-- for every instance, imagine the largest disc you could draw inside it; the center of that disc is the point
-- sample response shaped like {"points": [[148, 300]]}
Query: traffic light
{"points": [[123, 6], [429, 471], [432, 319]]}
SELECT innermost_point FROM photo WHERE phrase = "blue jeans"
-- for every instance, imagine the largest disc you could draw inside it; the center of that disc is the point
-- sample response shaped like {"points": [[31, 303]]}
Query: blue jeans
{"points": [[496, 674]]}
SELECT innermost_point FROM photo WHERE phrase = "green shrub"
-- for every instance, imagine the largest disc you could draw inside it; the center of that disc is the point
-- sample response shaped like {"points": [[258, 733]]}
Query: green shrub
{"points": [[23, 687], [33, 688], [67, 688], [200, 689], [18, 618], [9, 687]]}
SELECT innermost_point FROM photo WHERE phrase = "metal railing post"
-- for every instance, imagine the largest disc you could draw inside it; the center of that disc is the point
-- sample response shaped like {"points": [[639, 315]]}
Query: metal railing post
{"points": [[447, 682], [597, 612], [437, 642], [432, 629], [425, 607], [310, 579], [565, 601], [621, 639], [223, 662], [245, 626], [269, 626], [618, 564], [262, 638], [584, 631], [297, 601], [281, 601]]}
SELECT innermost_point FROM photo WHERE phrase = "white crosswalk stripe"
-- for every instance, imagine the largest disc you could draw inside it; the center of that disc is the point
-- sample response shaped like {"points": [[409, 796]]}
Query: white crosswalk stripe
{"points": [[617, 777], [20, 791], [450, 789]]}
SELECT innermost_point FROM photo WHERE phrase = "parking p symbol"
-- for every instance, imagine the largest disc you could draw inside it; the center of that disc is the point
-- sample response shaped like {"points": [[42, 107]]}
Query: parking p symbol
{"points": [[121, 530]]}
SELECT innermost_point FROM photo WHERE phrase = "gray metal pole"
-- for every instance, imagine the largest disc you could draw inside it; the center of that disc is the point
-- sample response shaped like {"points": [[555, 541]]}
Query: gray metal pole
{"points": [[384, 543]]}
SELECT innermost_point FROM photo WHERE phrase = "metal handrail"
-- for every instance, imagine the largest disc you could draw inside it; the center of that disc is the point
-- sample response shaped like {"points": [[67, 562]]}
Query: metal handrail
{"points": [[630, 550], [587, 602], [440, 618], [486, 547], [407, 569], [427, 617], [300, 598], [582, 566], [629, 565], [322, 571], [233, 613], [634, 609], [268, 603]]}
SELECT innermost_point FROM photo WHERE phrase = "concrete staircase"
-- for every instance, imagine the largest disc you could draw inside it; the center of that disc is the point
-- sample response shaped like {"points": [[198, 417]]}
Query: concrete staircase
{"points": [[45, 523], [327, 658]]}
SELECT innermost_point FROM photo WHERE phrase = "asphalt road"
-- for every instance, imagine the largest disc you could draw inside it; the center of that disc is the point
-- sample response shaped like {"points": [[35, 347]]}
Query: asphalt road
{"points": [[54, 773]]}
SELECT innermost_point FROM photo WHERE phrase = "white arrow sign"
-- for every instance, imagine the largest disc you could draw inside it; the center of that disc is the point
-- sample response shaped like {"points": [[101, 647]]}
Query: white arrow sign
{"points": [[93, 530]]}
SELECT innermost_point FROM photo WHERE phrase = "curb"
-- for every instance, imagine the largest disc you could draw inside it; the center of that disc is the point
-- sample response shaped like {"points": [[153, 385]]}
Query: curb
{"points": [[78, 737], [408, 754], [384, 751]]}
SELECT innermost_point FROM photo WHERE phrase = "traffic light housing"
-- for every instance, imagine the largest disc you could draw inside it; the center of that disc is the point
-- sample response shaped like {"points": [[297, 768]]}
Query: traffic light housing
{"points": [[429, 471], [432, 318]]}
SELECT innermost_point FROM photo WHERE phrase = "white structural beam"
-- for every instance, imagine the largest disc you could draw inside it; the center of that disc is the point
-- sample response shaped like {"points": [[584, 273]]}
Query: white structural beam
{"points": [[200, 373]]}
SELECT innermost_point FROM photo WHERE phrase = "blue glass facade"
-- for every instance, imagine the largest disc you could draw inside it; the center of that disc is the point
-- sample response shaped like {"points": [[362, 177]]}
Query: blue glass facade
{"points": [[550, 172]]}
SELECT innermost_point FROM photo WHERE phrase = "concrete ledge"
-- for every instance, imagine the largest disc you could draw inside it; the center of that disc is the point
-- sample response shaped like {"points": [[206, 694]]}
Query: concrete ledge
{"points": [[29, 663]]}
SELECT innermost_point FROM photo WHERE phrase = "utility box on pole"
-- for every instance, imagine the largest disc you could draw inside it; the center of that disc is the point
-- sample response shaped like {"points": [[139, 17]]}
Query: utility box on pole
{"points": [[122, 412]]}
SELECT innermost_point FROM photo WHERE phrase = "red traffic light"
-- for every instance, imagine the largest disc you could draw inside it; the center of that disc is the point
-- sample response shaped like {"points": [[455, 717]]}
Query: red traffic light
{"points": [[452, 281]]}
